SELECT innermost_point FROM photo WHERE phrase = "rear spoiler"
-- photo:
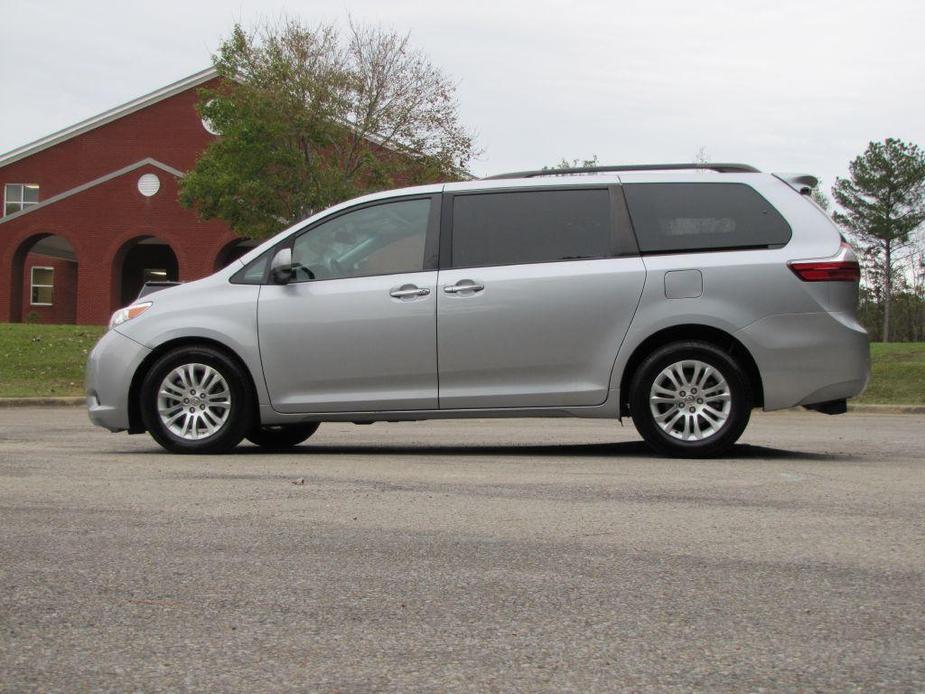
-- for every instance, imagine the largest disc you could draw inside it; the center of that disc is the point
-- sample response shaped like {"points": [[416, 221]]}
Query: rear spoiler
{"points": [[801, 183]]}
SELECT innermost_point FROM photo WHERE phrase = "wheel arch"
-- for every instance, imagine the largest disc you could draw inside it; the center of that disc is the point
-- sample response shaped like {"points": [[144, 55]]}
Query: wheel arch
{"points": [[134, 406], [691, 331]]}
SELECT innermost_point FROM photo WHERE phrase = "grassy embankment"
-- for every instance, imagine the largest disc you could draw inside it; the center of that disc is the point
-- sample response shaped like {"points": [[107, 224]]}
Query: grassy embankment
{"points": [[43, 360], [897, 374]]}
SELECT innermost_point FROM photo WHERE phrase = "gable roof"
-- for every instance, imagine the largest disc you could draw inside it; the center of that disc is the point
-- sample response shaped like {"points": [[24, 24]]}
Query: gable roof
{"points": [[92, 184], [108, 116]]}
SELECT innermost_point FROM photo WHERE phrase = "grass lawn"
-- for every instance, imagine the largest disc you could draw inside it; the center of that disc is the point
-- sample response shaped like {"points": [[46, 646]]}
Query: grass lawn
{"points": [[37, 360], [44, 359], [897, 374]]}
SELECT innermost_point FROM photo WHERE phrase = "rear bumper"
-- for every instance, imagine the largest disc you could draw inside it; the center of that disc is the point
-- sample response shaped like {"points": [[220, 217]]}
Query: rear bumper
{"points": [[110, 367], [808, 358]]}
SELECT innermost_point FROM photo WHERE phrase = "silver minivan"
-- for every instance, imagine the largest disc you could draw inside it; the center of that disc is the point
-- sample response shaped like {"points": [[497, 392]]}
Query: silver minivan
{"points": [[681, 296]]}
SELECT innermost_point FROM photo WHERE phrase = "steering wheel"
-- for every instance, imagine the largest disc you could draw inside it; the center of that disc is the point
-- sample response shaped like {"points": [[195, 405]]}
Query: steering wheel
{"points": [[302, 273]]}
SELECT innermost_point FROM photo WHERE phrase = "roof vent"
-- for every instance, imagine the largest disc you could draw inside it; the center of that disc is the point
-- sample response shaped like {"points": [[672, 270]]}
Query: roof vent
{"points": [[149, 184], [208, 124]]}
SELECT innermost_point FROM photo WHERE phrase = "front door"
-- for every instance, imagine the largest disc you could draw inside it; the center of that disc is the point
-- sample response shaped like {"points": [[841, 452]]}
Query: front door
{"points": [[356, 329]]}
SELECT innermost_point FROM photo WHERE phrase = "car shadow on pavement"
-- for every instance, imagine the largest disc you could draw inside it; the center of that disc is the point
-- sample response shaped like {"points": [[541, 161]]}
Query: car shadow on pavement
{"points": [[622, 449]]}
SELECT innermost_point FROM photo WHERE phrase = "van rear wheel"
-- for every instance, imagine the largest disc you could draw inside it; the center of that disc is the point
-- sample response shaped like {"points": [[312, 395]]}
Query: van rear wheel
{"points": [[690, 400]]}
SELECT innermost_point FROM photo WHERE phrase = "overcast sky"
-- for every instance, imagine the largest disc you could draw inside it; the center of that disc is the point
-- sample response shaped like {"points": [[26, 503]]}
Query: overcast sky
{"points": [[785, 86]]}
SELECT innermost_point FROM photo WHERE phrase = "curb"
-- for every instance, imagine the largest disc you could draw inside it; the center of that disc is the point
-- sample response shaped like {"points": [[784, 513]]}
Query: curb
{"points": [[860, 409], [887, 409], [43, 402]]}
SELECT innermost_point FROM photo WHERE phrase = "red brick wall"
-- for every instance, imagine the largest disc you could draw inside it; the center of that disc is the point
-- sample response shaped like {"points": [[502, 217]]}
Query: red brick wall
{"points": [[169, 131], [101, 224], [64, 300]]}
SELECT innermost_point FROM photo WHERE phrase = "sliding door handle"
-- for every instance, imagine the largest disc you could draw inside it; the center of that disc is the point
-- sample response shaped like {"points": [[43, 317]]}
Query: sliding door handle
{"points": [[463, 286]]}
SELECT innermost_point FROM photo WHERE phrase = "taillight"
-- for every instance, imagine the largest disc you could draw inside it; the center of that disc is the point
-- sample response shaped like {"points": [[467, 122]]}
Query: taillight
{"points": [[810, 271], [842, 267]]}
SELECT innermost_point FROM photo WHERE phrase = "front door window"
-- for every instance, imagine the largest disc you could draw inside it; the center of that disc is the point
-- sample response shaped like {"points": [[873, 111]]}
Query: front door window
{"points": [[385, 239]]}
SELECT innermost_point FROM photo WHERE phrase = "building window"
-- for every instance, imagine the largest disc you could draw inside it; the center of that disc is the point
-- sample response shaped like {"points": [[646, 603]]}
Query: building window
{"points": [[19, 196], [43, 285]]}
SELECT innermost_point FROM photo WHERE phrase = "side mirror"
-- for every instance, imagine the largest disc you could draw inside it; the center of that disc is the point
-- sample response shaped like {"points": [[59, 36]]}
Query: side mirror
{"points": [[281, 271]]}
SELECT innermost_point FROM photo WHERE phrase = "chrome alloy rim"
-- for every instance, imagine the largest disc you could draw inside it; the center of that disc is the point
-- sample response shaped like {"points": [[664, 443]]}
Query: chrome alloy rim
{"points": [[690, 400], [193, 401]]}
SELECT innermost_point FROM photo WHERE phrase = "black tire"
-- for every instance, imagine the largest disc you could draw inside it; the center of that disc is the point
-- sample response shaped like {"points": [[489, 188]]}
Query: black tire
{"points": [[240, 412], [282, 436], [703, 414]]}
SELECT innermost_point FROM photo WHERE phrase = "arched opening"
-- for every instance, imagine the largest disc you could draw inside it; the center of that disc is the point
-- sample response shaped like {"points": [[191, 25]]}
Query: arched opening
{"points": [[232, 251], [142, 259], [44, 281]]}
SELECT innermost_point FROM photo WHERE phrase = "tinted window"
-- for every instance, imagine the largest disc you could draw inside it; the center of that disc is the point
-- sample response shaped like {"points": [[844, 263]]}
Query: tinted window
{"points": [[702, 216], [381, 240], [530, 227]]}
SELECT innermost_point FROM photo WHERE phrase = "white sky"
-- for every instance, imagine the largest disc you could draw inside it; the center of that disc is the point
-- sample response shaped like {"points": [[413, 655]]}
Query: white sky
{"points": [[785, 86]]}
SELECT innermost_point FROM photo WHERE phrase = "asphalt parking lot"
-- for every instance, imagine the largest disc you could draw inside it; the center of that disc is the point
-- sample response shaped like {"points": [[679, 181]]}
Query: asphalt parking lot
{"points": [[496, 555]]}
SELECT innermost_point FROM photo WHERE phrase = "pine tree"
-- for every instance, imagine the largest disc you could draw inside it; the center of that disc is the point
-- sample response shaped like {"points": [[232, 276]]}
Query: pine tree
{"points": [[884, 205]]}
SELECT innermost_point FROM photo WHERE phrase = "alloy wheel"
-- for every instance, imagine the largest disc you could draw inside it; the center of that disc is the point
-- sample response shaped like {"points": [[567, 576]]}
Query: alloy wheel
{"points": [[690, 400], [193, 401]]}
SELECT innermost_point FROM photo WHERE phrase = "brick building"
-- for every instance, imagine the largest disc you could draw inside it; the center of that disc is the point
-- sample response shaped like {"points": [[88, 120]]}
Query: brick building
{"points": [[91, 212]]}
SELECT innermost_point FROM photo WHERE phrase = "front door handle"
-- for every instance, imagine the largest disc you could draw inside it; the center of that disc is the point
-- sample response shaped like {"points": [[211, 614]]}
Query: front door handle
{"points": [[463, 286], [409, 290]]}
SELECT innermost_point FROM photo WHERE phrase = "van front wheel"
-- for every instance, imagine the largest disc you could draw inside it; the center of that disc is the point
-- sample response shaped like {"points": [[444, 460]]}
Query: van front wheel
{"points": [[690, 400], [196, 400]]}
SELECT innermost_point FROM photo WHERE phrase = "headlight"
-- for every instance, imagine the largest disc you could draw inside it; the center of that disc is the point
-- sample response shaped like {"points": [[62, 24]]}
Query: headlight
{"points": [[127, 313]]}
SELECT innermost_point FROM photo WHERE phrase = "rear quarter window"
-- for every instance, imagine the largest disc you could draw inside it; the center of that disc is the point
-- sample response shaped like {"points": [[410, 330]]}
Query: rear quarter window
{"points": [[678, 217]]}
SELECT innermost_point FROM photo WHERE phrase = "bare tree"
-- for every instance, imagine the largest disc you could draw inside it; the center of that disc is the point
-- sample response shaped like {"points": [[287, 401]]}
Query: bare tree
{"points": [[312, 115]]}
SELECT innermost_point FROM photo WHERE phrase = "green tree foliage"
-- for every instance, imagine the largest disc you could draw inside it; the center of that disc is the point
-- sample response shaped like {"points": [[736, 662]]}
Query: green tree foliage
{"points": [[884, 205], [907, 307], [311, 116], [820, 198]]}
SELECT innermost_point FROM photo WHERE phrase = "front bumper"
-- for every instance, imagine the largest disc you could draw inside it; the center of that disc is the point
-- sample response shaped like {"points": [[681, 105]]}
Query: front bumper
{"points": [[110, 367]]}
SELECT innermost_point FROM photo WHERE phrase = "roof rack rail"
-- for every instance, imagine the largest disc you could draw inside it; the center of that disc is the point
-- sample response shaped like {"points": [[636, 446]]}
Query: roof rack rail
{"points": [[720, 168]]}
